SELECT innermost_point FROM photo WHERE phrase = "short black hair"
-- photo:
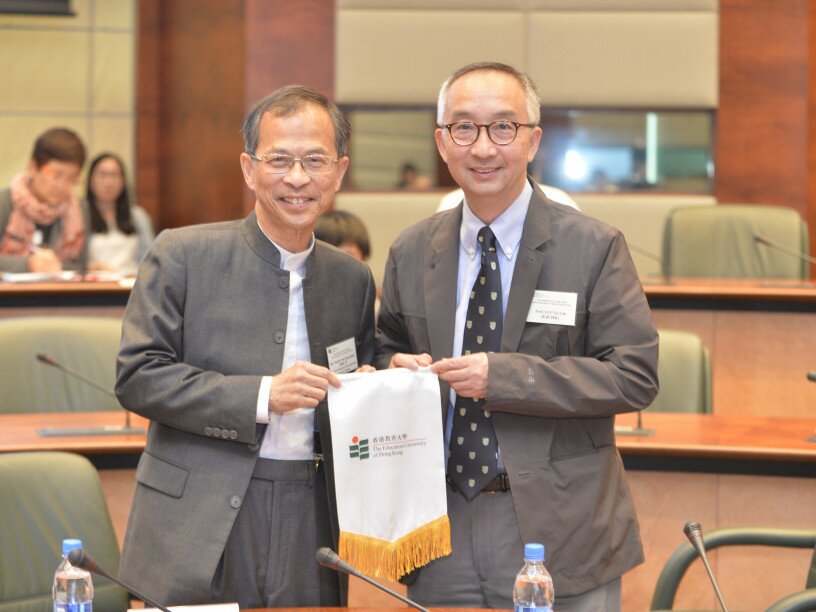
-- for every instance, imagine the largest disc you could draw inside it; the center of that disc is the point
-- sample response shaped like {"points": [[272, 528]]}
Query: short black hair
{"points": [[59, 144], [339, 227]]}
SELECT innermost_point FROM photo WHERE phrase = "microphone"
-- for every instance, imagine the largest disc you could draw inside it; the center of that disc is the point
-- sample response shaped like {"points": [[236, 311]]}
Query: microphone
{"points": [[694, 533], [811, 376], [778, 246], [645, 253], [328, 558], [85, 431], [79, 558]]}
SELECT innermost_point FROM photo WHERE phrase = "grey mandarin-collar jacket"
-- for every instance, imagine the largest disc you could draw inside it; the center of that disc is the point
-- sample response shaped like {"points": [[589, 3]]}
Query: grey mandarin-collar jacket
{"points": [[205, 321], [554, 390]]}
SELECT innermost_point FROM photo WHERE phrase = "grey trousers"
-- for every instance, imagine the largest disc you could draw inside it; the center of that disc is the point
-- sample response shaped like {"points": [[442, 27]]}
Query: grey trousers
{"points": [[269, 559], [487, 555]]}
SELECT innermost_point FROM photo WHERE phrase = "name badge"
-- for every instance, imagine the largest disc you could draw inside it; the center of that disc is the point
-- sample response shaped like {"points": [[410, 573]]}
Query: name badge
{"points": [[342, 356], [553, 307]]}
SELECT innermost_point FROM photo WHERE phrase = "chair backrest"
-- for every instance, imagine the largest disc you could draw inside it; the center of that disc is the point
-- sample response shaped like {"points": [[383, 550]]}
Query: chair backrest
{"points": [[87, 345], [718, 242], [675, 568], [46, 497], [684, 372]]}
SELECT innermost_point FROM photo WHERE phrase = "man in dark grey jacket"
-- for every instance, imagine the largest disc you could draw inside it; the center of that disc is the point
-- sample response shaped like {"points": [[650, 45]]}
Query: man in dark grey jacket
{"points": [[574, 346], [224, 349]]}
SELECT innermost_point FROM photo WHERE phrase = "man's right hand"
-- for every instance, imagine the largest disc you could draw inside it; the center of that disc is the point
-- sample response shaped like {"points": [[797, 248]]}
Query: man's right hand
{"points": [[412, 362], [304, 385], [44, 260]]}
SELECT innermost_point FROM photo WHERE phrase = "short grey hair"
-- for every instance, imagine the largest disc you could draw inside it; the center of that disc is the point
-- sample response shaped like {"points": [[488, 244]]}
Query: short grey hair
{"points": [[530, 90], [288, 100]]}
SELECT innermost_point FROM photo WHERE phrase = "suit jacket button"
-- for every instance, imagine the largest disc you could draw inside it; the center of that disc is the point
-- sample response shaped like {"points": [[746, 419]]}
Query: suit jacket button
{"points": [[279, 337], [235, 501], [233, 434], [216, 432], [208, 431], [283, 282], [225, 434]]}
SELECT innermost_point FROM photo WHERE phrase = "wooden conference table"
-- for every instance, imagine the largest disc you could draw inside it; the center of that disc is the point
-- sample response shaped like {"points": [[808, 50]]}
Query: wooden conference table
{"points": [[719, 470], [761, 334], [99, 298], [678, 442]]}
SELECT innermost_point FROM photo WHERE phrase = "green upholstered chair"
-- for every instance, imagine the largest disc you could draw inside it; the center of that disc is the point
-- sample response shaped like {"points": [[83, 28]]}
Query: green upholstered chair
{"points": [[684, 371], [674, 569], [46, 497], [85, 344], [718, 242]]}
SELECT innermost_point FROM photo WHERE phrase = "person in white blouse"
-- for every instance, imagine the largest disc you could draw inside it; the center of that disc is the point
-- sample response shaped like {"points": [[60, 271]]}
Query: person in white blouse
{"points": [[121, 233]]}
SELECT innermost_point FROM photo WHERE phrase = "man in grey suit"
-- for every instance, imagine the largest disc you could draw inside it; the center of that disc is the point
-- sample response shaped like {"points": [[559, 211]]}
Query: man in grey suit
{"points": [[230, 340], [536, 323]]}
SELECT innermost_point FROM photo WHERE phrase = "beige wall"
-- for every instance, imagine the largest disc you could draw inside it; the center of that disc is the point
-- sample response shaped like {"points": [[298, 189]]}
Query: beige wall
{"points": [[76, 72], [581, 53]]}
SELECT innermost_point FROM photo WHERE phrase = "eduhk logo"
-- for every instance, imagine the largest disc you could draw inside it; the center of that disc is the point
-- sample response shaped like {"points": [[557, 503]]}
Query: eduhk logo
{"points": [[359, 448]]}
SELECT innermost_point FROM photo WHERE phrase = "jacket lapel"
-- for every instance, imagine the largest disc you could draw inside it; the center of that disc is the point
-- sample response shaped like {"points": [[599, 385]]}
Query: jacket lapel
{"points": [[527, 270], [439, 280]]}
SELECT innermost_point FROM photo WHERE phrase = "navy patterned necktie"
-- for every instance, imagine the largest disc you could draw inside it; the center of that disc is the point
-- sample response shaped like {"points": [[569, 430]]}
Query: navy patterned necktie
{"points": [[472, 459]]}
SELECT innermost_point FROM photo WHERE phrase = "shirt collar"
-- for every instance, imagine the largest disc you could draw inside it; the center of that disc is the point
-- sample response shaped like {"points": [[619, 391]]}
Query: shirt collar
{"points": [[507, 227], [293, 262]]}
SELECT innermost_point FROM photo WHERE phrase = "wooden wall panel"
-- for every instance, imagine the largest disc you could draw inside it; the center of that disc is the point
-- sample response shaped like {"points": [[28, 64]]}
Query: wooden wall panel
{"points": [[148, 107], [766, 125], [202, 65], [811, 130], [762, 117], [288, 41], [202, 85]]}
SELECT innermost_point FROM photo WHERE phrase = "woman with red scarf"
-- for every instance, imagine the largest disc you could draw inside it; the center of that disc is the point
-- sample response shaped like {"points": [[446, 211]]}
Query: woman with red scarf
{"points": [[42, 223]]}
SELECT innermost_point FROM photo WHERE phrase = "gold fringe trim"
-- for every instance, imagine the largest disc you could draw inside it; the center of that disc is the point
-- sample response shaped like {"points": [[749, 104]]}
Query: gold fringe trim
{"points": [[378, 558]]}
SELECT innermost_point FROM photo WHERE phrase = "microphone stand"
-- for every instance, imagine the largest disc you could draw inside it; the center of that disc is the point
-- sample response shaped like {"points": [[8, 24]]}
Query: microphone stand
{"points": [[638, 430], [694, 533], [328, 558], [99, 430]]}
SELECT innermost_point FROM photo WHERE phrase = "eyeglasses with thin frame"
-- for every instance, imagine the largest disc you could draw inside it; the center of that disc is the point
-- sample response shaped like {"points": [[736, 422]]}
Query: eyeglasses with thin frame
{"points": [[501, 132], [282, 163]]}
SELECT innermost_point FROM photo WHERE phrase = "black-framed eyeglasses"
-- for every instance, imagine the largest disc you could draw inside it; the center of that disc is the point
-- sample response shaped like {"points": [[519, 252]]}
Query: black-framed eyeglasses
{"points": [[502, 132], [281, 163]]}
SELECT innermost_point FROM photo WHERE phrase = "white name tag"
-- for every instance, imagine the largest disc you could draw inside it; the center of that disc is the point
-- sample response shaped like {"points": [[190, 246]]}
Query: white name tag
{"points": [[342, 356], [553, 307]]}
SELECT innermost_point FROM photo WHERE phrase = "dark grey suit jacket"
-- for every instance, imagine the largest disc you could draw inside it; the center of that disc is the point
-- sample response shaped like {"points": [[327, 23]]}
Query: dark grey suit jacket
{"points": [[553, 390], [205, 321]]}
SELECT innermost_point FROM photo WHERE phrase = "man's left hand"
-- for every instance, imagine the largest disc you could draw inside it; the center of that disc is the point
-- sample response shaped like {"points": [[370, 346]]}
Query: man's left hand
{"points": [[467, 375]]}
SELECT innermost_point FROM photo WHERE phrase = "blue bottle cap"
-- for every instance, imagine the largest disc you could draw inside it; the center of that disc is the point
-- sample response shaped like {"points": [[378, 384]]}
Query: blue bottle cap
{"points": [[534, 552], [70, 544]]}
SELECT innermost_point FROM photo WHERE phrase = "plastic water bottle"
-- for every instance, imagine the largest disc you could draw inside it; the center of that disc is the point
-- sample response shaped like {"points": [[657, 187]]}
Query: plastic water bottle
{"points": [[533, 591], [73, 588]]}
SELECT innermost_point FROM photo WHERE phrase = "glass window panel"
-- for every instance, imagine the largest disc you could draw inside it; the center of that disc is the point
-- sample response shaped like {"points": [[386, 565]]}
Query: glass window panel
{"points": [[581, 150]]}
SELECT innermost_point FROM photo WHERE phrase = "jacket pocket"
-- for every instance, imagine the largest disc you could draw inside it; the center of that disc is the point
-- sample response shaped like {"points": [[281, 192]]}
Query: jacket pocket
{"points": [[162, 476]]}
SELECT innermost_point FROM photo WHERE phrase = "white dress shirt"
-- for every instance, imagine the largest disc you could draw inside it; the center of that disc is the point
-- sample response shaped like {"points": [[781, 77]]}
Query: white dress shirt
{"points": [[290, 435]]}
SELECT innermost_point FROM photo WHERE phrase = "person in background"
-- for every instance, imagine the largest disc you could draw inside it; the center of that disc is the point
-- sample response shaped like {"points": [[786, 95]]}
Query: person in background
{"points": [[121, 233], [534, 319], [42, 222], [346, 231], [412, 180]]}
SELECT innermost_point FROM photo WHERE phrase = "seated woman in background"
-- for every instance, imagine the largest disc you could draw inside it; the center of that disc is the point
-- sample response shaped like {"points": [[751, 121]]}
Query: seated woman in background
{"points": [[121, 233], [42, 223]]}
